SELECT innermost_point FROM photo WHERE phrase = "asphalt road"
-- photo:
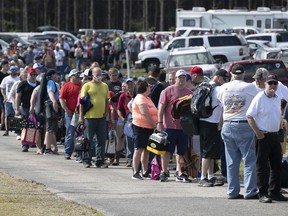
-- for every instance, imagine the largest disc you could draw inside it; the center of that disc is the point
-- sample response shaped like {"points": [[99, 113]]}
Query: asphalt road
{"points": [[113, 192]]}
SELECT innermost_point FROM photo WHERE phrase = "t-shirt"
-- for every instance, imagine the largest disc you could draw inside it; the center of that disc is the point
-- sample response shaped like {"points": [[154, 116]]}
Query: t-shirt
{"points": [[138, 117], [167, 97], [124, 99], [115, 87], [2, 76], [7, 84], [59, 56], [53, 87], [266, 112], [107, 47], [235, 97], [99, 94], [26, 91], [70, 92]]}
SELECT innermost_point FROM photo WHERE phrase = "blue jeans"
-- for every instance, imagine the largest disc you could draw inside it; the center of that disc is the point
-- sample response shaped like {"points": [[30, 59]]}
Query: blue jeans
{"points": [[69, 136], [96, 126], [239, 143], [129, 148]]}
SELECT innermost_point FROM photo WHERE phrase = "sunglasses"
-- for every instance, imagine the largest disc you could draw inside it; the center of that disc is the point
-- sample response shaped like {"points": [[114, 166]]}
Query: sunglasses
{"points": [[33, 74], [272, 83]]}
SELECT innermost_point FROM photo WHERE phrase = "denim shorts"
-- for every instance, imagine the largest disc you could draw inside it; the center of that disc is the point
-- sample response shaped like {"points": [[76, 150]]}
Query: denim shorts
{"points": [[141, 136], [177, 138], [9, 111]]}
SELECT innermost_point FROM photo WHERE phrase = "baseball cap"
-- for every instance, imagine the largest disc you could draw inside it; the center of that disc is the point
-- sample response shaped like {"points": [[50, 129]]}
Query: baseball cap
{"points": [[237, 69], [3, 62], [196, 70], [19, 44], [261, 73], [180, 73], [38, 66], [31, 70], [51, 72], [87, 72], [74, 72], [223, 73], [13, 69], [129, 80], [271, 77]]}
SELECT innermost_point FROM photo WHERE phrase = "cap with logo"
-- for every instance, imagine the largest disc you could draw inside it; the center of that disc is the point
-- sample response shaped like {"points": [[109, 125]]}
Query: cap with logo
{"points": [[74, 72], [196, 70], [261, 73], [223, 73], [180, 73], [272, 77], [237, 69]]}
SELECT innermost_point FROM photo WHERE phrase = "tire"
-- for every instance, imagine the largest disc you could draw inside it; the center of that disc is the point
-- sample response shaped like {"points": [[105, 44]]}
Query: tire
{"points": [[220, 59], [151, 62]]}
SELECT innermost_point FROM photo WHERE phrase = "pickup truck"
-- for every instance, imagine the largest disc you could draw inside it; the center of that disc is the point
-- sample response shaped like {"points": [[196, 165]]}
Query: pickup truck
{"points": [[223, 47], [279, 39]]}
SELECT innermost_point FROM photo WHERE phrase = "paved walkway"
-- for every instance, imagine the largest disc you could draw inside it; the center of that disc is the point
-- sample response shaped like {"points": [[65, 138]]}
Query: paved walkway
{"points": [[113, 192]]}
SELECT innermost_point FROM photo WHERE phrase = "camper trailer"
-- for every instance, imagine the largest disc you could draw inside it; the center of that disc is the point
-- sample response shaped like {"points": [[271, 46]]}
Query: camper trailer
{"points": [[222, 19]]}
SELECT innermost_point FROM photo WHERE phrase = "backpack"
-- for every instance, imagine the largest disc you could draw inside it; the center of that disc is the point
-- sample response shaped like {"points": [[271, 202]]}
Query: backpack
{"points": [[180, 105], [201, 102], [156, 168], [189, 123]]}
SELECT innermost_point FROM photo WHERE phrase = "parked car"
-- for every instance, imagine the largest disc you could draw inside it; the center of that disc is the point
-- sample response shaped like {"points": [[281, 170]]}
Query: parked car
{"points": [[275, 66], [223, 48], [3, 45], [254, 45], [186, 58]]}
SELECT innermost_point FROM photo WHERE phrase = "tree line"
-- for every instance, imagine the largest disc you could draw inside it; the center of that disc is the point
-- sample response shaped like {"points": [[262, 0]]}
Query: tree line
{"points": [[129, 15]]}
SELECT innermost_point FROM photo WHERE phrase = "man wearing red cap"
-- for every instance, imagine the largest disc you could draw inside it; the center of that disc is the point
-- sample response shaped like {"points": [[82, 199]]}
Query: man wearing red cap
{"points": [[23, 95]]}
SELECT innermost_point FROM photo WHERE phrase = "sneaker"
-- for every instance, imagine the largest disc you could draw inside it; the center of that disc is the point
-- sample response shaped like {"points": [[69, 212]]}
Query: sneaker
{"points": [[18, 137], [87, 164], [205, 183], [216, 181], [182, 178], [137, 176], [67, 156], [6, 133], [55, 150], [278, 197], [163, 177], [78, 160], [48, 152], [39, 152], [264, 198], [100, 164], [129, 164], [146, 175]]}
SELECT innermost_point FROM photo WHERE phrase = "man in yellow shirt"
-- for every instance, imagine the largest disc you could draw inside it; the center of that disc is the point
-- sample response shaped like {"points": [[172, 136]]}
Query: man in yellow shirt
{"points": [[95, 117]]}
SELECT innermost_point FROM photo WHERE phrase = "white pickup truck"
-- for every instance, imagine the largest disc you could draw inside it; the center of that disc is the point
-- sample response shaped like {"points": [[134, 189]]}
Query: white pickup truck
{"points": [[223, 47], [279, 40]]}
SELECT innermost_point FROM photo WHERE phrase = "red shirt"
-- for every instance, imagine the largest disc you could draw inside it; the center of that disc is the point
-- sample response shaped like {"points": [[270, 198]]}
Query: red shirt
{"points": [[70, 92], [123, 101]]}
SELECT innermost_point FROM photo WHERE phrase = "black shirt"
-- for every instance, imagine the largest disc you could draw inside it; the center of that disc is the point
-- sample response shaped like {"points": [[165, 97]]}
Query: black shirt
{"points": [[26, 89]]}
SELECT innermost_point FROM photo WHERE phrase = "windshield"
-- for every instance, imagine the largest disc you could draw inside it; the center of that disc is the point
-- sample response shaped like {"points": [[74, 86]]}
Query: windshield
{"points": [[190, 59]]}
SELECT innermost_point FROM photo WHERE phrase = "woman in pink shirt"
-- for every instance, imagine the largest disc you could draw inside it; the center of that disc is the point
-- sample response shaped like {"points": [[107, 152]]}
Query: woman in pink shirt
{"points": [[145, 118]]}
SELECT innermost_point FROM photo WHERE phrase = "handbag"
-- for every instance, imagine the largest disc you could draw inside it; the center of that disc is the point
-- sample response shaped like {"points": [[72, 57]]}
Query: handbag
{"points": [[85, 101], [30, 133], [50, 112], [128, 126], [81, 144]]}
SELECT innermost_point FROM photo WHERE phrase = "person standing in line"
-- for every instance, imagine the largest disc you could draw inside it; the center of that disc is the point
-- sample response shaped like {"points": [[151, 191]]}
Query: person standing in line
{"points": [[238, 137], [95, 117], [264, 117], [68, 99]]}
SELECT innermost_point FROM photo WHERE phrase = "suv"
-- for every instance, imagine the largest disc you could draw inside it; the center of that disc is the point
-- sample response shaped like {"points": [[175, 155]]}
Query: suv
{"points": [[275, 66], [223, 48], [186, 58], [276, 39]]}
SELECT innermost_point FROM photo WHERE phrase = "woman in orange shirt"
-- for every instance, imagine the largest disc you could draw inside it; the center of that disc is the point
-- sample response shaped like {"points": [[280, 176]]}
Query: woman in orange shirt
{"points": [[144, 114]]}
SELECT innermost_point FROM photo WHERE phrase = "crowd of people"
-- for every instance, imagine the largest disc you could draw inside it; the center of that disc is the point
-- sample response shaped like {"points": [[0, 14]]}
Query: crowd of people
{"points": [[244, 124]]}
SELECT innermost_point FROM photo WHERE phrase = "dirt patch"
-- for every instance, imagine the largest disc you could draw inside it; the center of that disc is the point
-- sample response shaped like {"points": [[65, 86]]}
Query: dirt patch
{"points": [[22, 197]]}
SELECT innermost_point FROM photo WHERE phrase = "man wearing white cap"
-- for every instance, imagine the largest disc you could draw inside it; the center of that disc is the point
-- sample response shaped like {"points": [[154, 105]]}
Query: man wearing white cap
{"points": [[68, 99], [173, 128], [6, 86]]}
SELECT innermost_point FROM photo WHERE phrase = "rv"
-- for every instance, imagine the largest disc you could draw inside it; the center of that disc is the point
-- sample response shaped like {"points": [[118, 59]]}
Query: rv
{"points": [[222, 19]]}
